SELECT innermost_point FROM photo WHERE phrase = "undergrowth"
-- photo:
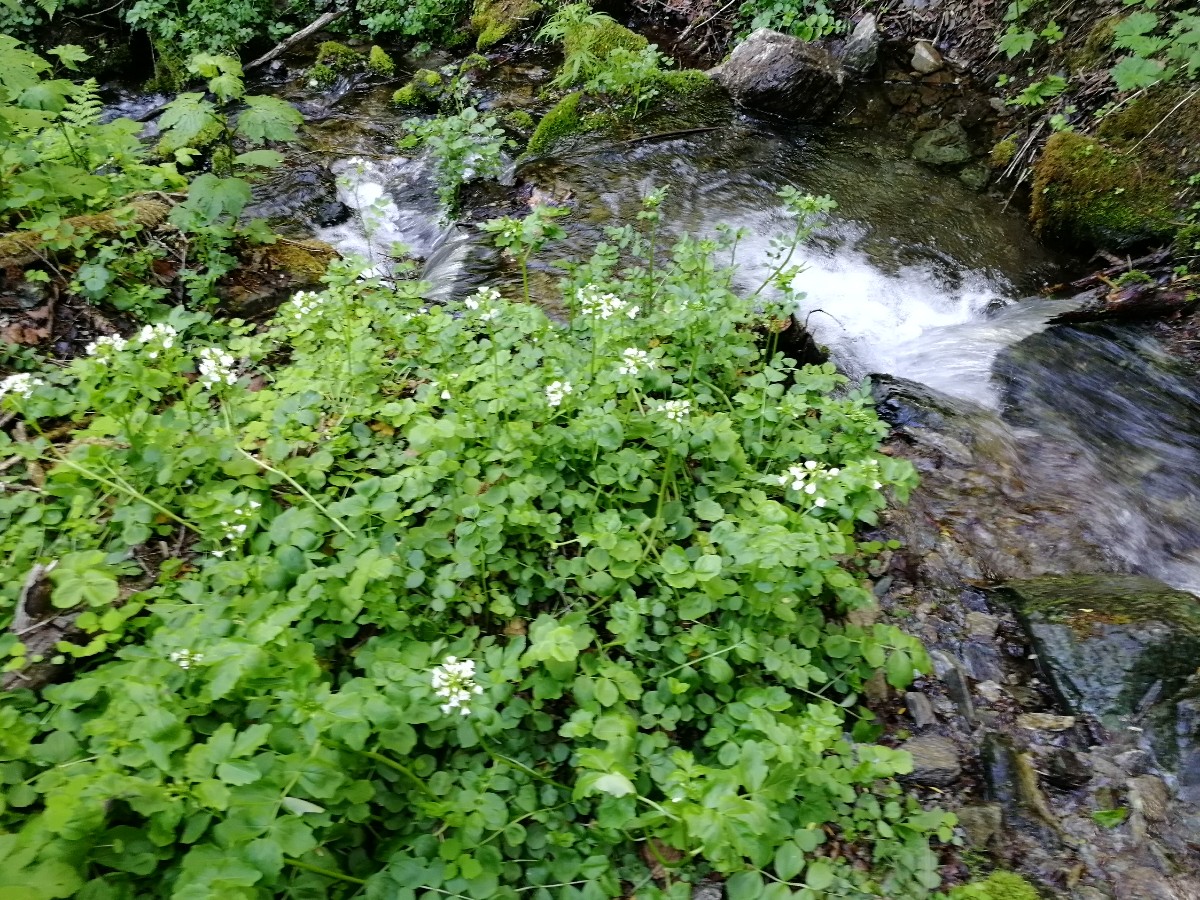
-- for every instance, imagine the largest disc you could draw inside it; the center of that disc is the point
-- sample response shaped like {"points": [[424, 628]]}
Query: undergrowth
{"points": [[393, 600]]}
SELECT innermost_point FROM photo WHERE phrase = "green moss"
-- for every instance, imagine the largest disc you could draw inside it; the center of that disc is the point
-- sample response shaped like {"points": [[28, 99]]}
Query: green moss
{"points": [[408, 97], [686, 82], [474, 64], [168, 143], [424, 90], [997, 886], [338, 57], [1187, 246], [170, 72], [1002, 153], [379, 63], [1085, 194], [563, 119], [599, 36], [322, 75], [519, 121], [1096, 47], [495, 20]]}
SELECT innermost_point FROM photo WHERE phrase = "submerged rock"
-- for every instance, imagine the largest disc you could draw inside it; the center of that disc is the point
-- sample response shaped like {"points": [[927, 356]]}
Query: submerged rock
{"points": [[944, 147], [1110, 645], [782, 76]]}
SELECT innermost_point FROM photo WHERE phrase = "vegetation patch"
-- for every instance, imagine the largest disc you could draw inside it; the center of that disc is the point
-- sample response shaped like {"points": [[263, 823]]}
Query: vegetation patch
{"points": [[495, 20], [562, 120], [1086, 194], [997, 886]]}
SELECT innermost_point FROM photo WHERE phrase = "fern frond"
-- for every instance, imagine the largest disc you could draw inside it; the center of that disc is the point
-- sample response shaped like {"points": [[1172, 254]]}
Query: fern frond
{"points": [[84, 108]]}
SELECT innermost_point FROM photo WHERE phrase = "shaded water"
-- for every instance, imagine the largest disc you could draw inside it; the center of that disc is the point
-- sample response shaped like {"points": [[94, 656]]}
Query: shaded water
{"points": [[915, 276]]}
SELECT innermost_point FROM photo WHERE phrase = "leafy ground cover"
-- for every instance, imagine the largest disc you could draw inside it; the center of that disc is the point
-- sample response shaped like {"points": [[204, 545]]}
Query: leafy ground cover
{"points": [[387, 599]]}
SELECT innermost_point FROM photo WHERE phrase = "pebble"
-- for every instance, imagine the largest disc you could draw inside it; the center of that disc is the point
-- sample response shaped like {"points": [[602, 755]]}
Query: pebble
{"points": [[920, 709], [935, 760], [926, 59], [1045, 721], [981, 625]]}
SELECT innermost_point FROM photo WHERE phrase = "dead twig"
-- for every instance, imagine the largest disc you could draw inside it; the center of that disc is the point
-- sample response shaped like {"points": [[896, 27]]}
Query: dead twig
{"points": [[312, 28]]}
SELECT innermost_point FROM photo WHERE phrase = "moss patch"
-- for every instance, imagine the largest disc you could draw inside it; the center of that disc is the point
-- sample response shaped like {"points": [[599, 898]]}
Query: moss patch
{"points": [[562, 120], [1087, 195], [599, 36], [1002, 153], [379, 63], [495, 20], [687, 83], [423, 91], [997, 886], [338, 57]]}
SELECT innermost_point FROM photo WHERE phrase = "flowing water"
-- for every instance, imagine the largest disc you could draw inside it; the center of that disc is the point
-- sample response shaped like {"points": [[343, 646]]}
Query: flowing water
{"points": [[915, 276]]}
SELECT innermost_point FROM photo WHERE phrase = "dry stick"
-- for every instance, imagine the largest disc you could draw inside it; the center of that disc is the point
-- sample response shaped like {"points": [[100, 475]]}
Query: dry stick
{"points": [[313, 27], [695, 25]]}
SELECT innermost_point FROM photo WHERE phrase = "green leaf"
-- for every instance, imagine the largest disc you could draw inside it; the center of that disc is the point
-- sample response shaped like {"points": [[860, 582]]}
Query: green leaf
{"points": [[268, 119], [185, 117], [789, 860], [614, 784], [1134, 72], [70, 55], [708, 510], [675, 561], [1110, 818], [819, 875], [899, 669], [744, 886], [300, 807]]}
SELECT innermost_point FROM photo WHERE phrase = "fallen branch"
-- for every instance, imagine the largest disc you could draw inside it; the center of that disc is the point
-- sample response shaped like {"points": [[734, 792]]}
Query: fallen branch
{"points": [[21, 248], [1158, 257], [321, 21]]}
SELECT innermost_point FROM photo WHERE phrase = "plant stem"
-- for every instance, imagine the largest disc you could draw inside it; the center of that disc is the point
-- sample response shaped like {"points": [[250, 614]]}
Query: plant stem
{"points": [[328, 873]]}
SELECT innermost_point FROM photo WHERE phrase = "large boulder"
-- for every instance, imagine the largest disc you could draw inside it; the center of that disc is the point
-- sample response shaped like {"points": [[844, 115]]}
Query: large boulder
{"points": [[782, 76], [861, 49]]}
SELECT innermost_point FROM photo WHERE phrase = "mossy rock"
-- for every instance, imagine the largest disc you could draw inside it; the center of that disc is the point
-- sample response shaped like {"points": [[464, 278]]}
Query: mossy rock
{"points": [[1089, 196], [1002, 153], [495, 20], [423, 91], [168, 143], [562, 120], [268, 274], [1096, 47], [518, 122], [379, 63], [997, 886], [338, 57], [688, 83], [600, 36]]}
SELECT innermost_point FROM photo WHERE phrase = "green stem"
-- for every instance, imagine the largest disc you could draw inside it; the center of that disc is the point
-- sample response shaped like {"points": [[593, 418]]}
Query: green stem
{"points": [[120, 486], [328, 873], [403, 770], [307, 496]]}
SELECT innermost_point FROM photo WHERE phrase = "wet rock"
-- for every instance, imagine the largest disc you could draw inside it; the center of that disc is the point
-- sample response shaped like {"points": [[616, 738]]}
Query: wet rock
{"points": [[782, 76], [990, 691], [920, 709], [708, 890], [1134, 762], [926, 59], [335, 212], [1045, 722], [981, 625], [1110, 643], [950, 671], [998, 758], [975, 178], [944, 147], [935, 760], [1066, 769], [982, 824], [982, 661], [861, 50], [268, 275]]}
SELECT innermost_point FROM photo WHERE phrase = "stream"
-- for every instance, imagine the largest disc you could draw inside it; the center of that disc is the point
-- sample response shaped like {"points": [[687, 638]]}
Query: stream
{"points": [[915, 276]]}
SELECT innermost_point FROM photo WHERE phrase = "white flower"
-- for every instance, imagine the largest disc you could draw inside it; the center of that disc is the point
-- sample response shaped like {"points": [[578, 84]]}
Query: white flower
{"points": [[557, 391], [485, 296], [489, 315], [21, 384], [164, 335], [216, 367], [454, 682], [304, 302], [445, 395], [794, 477], [185, 659], [634, 360], [819, 501], [218, 553], [593, 302], [675, 410], [105, 346]]}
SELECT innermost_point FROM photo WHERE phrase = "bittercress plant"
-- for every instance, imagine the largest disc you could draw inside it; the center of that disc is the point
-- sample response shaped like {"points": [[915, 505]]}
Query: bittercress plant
{"points": [[458, 601]]}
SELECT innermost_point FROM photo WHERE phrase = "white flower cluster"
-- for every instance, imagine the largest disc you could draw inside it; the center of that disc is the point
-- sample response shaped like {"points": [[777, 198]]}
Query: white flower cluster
{"points": [[484, 299], [21, 384], [185, 659], [235, 530], [872, 465], [804, 478], [163, 335], [599, 305], [674, 410], [454, 682], [104, 347], [633, 361], [216, 367], [304, 302], [556, 392]]}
